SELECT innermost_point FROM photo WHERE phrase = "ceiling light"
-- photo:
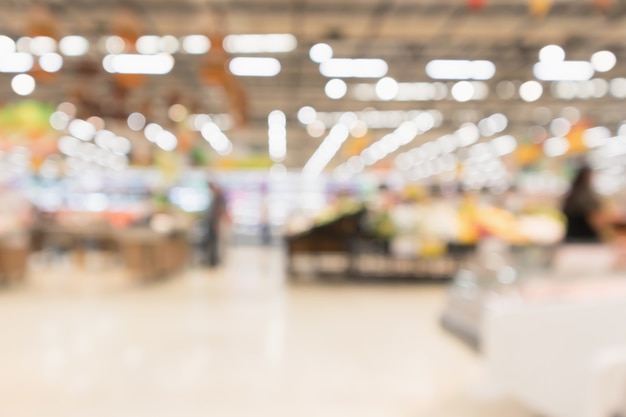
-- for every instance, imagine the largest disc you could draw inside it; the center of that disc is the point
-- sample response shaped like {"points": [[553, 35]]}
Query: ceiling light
{"points": [[596, 136], [148, 44], [353, 68], [306, 115], [600, 87], [196, 44], [504, 145], [603, 61], [82, 129], [272, 43], [152, 131], [16, 62], [104, 139], [7, 45], [59, 120], [326, 151], [530, 91], [277, 117], [560, 126], [359, 129], [23, 44], [74, 46], [166, 140], [159, 64], [563, 71], [254, 67], [555, 146], [114, 45], [177, 112], [551, 53], [335, 89], [23, 84], [463, 91], [40, 45], [136, 121], [51, 62], [467, 134], [443, 69], [169, 44], [617, 87], [320, 52], [316, 128], [387, 88]]}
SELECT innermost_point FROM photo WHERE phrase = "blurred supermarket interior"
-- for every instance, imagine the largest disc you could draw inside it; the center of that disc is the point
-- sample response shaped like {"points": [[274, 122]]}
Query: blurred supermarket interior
{"points": [[313, 208]]}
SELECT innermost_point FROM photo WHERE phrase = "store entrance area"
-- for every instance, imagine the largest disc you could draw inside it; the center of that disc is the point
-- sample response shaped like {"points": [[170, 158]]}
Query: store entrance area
{"points": [[237, 340]]}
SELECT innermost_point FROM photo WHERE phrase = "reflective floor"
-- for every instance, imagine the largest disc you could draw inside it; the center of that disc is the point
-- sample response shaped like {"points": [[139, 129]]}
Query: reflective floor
{"points": [[236, 341]]}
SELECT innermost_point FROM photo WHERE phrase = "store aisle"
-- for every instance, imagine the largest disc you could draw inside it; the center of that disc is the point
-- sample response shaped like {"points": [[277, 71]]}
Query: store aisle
{"points": [[233, 342]]}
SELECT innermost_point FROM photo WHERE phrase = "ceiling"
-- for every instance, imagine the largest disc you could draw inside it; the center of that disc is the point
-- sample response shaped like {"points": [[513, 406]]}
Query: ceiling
{"points": [[405, 33]]}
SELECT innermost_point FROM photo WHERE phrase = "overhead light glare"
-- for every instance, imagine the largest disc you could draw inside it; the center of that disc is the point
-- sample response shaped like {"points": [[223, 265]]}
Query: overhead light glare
{"points": [[354, 68], [320, 52], [443, 69], [16, 62], [74, 46], [552, 54], [603, 61], [563, 71], [23, 84], [51, 62], [254, 67], [271, 43], [196, 44], [159, 64], [335, 89]]}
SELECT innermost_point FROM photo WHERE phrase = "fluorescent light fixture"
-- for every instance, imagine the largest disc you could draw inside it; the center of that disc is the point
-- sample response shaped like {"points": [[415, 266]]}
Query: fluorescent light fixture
{"points": [[166, 140], [82, 129], [7, 45], [16, 62], [51, 62], [463, 91], [320, 52], [23, 84], [504, 145], [254, 67], [335, 89], [354, 68], [306, 115], [196, 44], [563, 71], [555, 146], [74, 46], [148, 44], [216, 138], [277, 134], [551, 53], [40, 45], [250, 44], [443, 69], [138, 64], [326, 151], [169, 44], [530, 91], [387, 88], [596, 136], [603, 61]]}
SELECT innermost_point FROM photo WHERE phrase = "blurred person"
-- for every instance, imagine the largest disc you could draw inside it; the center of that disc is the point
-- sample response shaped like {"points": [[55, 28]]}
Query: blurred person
{"points": [[587, 218], [213, 220]]}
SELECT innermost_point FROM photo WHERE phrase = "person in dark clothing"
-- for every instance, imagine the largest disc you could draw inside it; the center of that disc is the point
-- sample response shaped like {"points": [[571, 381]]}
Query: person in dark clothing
{"points": [[214, 217], [582, 209]]}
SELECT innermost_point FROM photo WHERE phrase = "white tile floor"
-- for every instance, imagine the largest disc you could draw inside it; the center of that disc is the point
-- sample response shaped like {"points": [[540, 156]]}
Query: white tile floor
{"points": [[237, 341]]}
